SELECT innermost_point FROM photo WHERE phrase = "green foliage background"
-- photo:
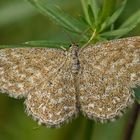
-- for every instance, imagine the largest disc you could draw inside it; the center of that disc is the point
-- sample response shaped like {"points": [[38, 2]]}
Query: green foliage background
{"points": [[21, 22]]}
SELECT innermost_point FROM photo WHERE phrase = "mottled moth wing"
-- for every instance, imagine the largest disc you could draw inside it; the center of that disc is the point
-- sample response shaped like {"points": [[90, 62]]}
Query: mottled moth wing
{"points": [[54, 101], [43, 76], [21, 69], [108, 73]]}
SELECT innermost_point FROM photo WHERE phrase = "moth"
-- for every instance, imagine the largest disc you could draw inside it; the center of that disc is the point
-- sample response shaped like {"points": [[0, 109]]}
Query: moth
{"points": [[57, 84]]}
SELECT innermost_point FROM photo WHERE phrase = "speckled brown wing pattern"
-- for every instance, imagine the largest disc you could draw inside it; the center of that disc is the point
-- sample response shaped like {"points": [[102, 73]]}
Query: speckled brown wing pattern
{"points": [[108, 73], [54, 102], [57, 83], [43, 76], [21, 69]]}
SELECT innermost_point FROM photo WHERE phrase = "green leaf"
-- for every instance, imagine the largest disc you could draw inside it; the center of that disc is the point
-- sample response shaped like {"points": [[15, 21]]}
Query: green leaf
{"points": [[116, 33], [95, 8], [60, 17], [45, 43], [85, 10], [110, 20], [107, 10], [12, 46], [91, 10], [126, 27], [91, 16], [132, 21], [38, 44]]}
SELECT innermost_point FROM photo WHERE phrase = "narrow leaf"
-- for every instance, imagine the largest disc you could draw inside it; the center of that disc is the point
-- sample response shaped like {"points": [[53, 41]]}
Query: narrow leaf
{"points": [[14, 46], [59, 16], [38, 44], [132, 20], [95, 8], [85, 10], [45, 43], [91, 16], [108, 8], [109, 21], [116, 33]]}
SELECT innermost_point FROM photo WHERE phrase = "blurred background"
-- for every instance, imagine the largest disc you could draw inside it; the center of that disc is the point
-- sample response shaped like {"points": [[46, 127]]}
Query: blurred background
{"points": [[21, 22]]}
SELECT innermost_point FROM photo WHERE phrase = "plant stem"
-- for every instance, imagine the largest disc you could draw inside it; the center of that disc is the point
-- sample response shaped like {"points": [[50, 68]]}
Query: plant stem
{"points": [[132, 122], [88, 130], [91, 38]]}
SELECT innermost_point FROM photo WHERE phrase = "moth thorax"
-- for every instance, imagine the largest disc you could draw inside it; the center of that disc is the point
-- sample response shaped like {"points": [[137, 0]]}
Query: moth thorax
{"points": [[75, 61]]}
